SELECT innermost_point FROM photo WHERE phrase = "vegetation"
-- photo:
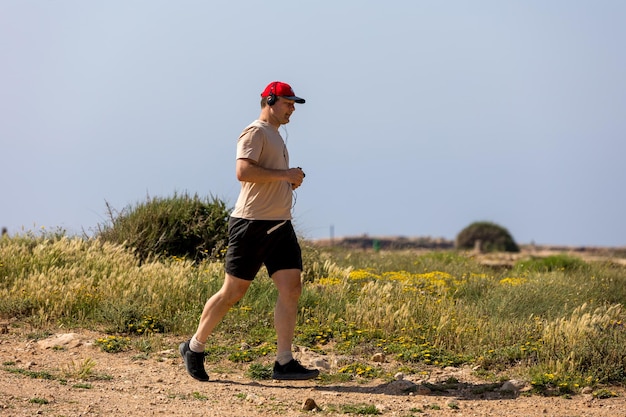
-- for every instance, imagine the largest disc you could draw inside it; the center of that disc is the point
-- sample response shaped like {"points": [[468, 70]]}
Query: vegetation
{"points": [[490, 236], [558, 322], [181, 225]]}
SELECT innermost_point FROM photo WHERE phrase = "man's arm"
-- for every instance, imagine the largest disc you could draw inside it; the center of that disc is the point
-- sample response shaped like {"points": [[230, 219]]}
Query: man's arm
{"points": [[249, 171]]}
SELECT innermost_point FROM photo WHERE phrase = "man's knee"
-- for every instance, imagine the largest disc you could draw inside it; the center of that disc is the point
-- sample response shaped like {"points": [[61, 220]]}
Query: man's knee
{"points": [[234, 289], [288, 283]]}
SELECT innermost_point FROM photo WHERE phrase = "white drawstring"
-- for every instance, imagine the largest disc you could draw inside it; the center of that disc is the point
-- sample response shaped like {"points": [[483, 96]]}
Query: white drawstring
{"points": [[276, 227]]}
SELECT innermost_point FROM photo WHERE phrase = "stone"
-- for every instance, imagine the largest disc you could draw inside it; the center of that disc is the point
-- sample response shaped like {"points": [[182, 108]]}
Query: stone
{"points": [[513, 385], [321, 363], [70, 340], [310, 405], [378, 357]]}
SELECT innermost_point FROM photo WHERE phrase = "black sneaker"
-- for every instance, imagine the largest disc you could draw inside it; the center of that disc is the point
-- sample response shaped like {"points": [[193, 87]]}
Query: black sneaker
{"points": [[194, 362], [292, 370]]}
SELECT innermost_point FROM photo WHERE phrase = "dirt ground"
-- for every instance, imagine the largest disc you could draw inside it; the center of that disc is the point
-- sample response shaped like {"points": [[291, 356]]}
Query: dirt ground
{"points": [[132, 383]]}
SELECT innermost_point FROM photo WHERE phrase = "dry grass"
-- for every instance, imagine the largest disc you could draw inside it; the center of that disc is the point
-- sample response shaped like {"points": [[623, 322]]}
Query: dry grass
{"points": [[561, 323]]}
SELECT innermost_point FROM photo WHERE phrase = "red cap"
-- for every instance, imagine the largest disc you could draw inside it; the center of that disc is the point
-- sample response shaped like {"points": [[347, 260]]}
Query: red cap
{"points": [[281, 89]]}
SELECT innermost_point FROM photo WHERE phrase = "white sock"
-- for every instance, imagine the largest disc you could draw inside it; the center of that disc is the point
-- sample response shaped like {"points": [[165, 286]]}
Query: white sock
{"points": [[284, 357], [196, 346]]}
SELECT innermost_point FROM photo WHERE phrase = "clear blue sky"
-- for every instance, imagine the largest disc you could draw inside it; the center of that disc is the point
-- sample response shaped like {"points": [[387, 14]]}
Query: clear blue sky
{"points": [[421, 116]]}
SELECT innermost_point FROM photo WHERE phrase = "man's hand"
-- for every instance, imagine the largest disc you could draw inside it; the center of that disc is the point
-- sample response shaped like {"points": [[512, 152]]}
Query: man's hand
{"points": [[295, 177]]}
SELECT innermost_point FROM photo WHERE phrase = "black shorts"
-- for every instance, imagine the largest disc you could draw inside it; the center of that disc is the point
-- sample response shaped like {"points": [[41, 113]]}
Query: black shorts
{"points": [[253, 243]]}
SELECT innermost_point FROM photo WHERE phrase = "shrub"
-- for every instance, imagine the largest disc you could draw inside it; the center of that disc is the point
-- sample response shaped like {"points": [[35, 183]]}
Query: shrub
{"points": [[492, 237], [179, 226], [551, 263]]}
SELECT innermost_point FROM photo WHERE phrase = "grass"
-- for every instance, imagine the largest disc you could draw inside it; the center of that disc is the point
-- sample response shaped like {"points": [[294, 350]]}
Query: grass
{"points": [[558, 322], [360, 370], [82, 370], [113, 344], [360, 409], [38, 400], [30, 374], [258, 371]]}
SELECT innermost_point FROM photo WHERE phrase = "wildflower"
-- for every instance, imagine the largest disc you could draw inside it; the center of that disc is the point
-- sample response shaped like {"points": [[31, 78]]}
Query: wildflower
{"points": [[513, 281], [362, 274], [329, 281]]}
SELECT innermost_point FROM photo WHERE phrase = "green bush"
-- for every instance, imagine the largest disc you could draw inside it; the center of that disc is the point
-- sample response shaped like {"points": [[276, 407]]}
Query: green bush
{"points": [[178, 226], [551, 263], [492, 237]]}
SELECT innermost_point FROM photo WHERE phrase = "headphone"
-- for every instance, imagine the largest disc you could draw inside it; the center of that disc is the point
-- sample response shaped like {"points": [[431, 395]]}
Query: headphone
{"points": [[271, 99]]}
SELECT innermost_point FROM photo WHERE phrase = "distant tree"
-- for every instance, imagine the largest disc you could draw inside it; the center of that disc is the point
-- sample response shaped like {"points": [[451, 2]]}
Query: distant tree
{"points": [[489, 236]]}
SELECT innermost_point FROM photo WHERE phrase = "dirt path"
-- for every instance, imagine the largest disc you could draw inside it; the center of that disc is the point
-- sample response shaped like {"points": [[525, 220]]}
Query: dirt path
{"points": [[129, 383]]}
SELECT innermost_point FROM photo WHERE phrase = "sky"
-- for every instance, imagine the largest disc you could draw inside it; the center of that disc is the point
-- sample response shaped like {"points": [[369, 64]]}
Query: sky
{"points": [[421, 117]]}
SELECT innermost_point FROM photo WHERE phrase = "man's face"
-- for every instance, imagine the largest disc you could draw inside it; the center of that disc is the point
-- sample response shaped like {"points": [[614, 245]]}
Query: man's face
{"points": [[282, 110]]}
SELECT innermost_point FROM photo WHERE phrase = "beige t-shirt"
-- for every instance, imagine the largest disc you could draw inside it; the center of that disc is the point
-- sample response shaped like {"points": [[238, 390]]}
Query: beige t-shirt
{"points": [[262, 143]]}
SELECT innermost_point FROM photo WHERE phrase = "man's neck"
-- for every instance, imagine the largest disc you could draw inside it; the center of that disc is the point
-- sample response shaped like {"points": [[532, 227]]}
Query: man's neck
{"points": [[266, 117]]}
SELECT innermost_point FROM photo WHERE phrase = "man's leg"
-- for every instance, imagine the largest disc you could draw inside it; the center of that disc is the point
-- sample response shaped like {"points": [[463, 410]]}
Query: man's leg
{"points": [[289, 287], [218, 305], [214, 311]]}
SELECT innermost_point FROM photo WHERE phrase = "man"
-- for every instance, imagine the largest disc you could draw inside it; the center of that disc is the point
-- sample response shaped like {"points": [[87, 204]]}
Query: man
{"points": [[260, 233]]}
